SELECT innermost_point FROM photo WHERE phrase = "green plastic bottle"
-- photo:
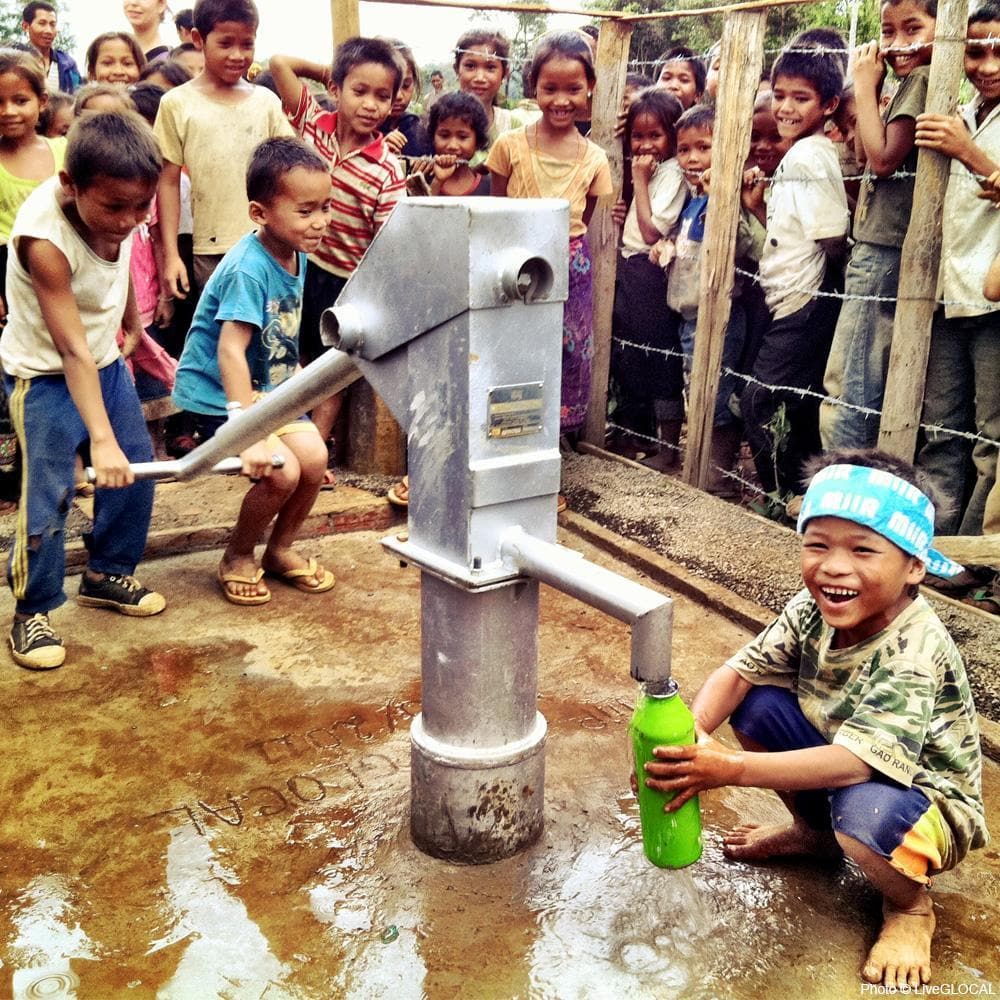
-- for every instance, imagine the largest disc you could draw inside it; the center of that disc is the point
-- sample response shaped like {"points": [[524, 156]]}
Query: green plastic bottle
{"points": [[670, 840]]}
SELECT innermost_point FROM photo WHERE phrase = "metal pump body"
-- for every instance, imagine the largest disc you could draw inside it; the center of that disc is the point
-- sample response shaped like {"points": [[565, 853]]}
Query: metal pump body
{"points": [[467, 355]]}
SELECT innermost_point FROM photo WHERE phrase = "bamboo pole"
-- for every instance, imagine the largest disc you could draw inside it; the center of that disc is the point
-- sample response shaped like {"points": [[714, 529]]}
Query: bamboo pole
{"points": [[742, 60], [345, 19], [918, 272], [611, 65]]}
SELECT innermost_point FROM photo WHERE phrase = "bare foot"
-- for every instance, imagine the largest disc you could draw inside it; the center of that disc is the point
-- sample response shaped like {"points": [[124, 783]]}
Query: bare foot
{"points": [[902, 954], [667, 459], [759, 843], [245, 567]]}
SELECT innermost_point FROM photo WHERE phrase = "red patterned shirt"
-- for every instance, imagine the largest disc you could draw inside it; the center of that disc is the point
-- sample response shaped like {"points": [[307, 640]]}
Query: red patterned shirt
{"points": [[367, 183]]}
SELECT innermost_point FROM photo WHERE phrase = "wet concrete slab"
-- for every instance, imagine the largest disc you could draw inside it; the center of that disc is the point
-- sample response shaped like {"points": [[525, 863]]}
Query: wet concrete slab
{"points": [[214, 803]]}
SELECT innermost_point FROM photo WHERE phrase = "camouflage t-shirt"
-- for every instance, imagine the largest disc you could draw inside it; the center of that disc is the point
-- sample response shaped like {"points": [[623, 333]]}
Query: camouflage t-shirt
{"points": [[899, 701]]}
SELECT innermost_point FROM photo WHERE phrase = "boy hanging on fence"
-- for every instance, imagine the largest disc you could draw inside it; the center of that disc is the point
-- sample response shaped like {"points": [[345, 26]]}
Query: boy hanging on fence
{"points": [[859, 357], [963, 369], [807, 220], [367, 178], [855, 707]]}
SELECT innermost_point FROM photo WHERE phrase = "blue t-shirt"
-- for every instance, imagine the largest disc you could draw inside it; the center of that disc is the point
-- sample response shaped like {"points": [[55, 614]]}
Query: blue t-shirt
{"points": [[248, 286]]}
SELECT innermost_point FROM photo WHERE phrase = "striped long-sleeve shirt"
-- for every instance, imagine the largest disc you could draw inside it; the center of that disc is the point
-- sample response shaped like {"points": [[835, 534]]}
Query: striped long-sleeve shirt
{"points": [[367, 183]]}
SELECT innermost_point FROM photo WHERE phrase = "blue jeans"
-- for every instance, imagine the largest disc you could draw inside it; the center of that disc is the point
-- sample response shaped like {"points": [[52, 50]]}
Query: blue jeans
{"points": [[732, 351], [50, 431], [859, 356], [962, 393]]}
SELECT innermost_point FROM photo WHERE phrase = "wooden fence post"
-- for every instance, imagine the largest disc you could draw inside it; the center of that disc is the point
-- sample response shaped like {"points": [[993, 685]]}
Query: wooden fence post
{"points": [[742, 60], [611, 66], [345, 20], [918, 272]]}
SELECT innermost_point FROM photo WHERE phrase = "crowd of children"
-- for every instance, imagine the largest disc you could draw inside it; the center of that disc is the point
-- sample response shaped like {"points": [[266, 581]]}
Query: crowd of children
{"points": [[818, 261], [187, 234]]}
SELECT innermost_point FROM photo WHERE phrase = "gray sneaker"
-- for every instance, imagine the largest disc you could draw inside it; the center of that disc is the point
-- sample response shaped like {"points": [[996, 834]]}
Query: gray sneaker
{"points": [[34, 645], [123, 594]]}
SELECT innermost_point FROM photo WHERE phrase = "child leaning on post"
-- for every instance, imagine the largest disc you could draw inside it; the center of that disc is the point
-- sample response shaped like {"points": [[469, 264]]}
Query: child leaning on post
{"points": [[854, 706]]}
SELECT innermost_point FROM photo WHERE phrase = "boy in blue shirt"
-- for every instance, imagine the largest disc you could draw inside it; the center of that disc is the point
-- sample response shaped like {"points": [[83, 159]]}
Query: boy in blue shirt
{"points": [[855, 707], [243, 343]]}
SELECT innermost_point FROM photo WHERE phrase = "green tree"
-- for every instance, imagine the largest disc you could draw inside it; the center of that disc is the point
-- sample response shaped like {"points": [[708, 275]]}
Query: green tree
{"points": [[699, 32], [530, 27], [10, 26]]}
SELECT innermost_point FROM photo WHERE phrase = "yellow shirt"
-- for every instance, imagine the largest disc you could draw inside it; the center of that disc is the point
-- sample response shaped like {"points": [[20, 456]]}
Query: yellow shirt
{"points": [[531, 173], [15, 190]]}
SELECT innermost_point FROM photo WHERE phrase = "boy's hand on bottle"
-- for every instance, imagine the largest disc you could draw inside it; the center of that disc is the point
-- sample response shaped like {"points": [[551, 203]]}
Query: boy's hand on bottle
{"points": [[869, 67], [257, 460], [688, 770], [111, 468]]}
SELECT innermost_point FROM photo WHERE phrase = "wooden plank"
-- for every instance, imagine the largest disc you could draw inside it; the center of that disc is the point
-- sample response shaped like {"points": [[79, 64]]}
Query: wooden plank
{"points": [[911, 336], [971, 550], [345, 19], [611, 65], [375, 442], [742, 60]]}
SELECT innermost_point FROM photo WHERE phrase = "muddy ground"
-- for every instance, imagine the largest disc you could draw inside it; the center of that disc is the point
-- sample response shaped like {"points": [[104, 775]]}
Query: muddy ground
{"points": [[214, 803]]}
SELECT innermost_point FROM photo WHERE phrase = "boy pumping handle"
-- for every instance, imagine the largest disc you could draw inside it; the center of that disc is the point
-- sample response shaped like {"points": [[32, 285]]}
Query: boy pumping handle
{"points": [[855, 707], [69, 294]]}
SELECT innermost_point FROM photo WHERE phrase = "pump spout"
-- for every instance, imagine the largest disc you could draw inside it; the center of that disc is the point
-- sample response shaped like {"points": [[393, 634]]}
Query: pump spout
{"points": [[650, 614]]}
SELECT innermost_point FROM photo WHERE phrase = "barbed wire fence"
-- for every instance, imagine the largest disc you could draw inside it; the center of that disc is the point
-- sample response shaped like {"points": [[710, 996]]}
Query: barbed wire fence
{"points": [[966, 434]]}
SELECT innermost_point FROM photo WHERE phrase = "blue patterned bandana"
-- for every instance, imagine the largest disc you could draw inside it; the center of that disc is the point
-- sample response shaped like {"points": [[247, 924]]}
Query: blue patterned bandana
{"points": [[881, 501]]}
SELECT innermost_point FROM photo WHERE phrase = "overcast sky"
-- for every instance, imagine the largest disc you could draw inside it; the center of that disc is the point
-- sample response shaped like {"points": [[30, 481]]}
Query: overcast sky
{"points": [[302, 27]]}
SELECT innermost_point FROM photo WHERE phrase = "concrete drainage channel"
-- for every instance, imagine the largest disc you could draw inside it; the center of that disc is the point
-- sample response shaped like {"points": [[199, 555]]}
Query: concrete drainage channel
{"points": [[738, 563]]}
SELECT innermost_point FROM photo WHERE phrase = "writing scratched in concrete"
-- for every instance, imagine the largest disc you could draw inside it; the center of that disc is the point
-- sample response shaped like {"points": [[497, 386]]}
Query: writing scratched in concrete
{"points": [[362, 726], [284, 796]]}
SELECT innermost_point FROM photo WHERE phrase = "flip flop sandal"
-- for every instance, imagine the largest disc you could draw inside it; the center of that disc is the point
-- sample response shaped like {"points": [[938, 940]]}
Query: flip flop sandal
{"points": [[987, 599], [399, 495], [960, 586], [246, 600], [298, 578], [561, 504]]}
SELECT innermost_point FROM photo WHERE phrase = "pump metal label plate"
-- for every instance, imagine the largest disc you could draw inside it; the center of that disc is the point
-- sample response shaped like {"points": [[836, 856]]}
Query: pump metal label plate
{"points": [[515, 410]]}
